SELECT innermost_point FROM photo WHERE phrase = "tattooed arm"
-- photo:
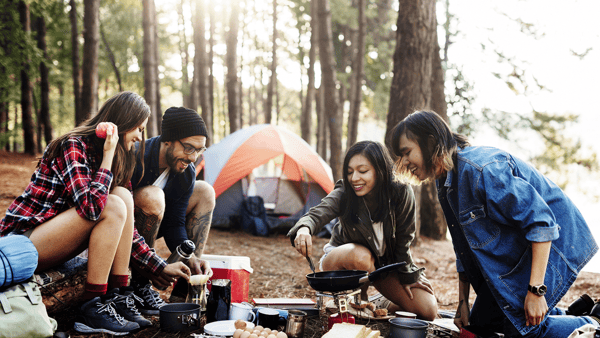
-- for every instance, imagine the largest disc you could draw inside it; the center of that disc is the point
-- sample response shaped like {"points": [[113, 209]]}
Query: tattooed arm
{"points": [[461, 318]]}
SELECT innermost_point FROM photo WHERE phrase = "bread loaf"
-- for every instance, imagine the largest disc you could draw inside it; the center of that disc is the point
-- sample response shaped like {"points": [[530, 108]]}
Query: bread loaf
{"points": [[374, 334], [345, 330]]}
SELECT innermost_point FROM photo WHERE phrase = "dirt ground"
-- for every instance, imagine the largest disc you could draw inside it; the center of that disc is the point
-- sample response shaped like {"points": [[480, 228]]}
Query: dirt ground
{"points": [[279, 271]]}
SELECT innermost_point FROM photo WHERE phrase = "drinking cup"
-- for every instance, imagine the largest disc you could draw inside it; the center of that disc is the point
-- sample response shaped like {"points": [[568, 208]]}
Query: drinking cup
{"points": [[241, 311], [268, 318]]}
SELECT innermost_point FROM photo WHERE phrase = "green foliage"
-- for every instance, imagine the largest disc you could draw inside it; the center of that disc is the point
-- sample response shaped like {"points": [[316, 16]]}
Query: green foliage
{"points": [[559, 152]]}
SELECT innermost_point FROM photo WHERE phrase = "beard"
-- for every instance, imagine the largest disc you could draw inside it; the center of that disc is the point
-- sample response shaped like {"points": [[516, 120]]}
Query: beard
{"points": [[172, 161]]}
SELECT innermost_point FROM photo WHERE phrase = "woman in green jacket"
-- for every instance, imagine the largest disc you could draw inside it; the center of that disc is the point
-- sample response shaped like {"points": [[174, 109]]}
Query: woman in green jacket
{"points": [[376, 225]]}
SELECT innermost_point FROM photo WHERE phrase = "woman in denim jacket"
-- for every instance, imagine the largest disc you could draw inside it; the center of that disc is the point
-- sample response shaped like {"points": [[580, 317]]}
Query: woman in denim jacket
{"points": [[519, 240], [376, 227]]}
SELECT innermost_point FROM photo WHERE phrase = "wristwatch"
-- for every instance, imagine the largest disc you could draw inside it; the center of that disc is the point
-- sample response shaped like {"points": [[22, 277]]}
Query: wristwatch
{"points": [[538, 290]]}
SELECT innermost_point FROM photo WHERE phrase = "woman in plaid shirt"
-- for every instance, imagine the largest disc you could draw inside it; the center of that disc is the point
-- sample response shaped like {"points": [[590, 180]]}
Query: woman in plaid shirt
{"points": [[79, 198]]}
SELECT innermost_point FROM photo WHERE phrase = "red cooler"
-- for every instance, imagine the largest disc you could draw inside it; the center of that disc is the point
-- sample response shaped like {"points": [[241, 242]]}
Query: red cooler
{"points": [[235, 268]]}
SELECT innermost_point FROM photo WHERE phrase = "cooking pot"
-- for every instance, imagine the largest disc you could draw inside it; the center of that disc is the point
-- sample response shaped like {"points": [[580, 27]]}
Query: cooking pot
{"points": [[408, 328], [342, 280], [180, 317]]}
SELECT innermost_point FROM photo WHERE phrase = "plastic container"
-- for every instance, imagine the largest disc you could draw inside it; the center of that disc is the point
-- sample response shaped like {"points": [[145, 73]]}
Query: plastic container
{"points": [[235, 268]]}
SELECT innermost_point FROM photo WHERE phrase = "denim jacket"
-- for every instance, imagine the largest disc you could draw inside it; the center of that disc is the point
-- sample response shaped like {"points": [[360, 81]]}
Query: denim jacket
{"points": [[502, 204]]}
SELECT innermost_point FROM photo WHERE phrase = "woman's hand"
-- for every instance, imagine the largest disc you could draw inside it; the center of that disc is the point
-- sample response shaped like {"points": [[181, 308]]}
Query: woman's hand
{"points": [[461, 319], [112, 136], [422, 283], [170, 274], [303, 241], [535, 309]]}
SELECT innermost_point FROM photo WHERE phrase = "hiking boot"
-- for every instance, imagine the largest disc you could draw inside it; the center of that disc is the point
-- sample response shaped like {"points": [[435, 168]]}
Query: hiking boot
{"points": [[581, 306], [150, 300], [98, 317], [125, 305]]}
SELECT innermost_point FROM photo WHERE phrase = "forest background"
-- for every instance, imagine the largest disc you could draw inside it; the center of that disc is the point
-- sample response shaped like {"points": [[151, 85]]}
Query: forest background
{"points": [[515, 74]]}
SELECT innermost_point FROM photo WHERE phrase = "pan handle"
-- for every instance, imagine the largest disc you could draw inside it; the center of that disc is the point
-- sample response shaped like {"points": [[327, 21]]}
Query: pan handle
{"points": [[375, 275]]}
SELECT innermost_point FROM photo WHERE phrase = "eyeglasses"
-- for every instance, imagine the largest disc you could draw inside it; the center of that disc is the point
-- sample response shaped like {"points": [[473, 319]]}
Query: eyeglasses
{"points": [[188, 149]]}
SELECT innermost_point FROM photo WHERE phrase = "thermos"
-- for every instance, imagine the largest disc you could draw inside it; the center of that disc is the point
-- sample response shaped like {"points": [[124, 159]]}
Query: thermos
{"points": [[182, 253]]}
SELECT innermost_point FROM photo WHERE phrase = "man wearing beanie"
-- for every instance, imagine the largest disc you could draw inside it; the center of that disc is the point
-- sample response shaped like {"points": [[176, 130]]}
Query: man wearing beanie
{"points": [[170, 203]]}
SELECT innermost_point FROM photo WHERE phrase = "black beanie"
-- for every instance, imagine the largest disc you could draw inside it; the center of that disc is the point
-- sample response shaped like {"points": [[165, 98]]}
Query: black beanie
{"points": [[180, 122]]}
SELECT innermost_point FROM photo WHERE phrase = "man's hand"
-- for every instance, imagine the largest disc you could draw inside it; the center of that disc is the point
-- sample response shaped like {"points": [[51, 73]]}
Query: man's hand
{"points": [[535, 309], [170, 274], [422, 283], [200, 267], [461, 319]]}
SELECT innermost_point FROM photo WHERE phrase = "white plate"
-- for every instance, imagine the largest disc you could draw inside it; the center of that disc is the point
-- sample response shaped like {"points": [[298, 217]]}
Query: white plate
{"points": [[223, 327]]}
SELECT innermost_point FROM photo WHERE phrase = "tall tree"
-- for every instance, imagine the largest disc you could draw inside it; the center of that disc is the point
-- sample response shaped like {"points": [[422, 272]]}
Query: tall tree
{"points": [[306, 119], [150, 65], [211, 78], [79, 116], [44, 81], [232, 77], [189, 98], [273, 79], [201, 67], [433, 222], [91, 35], [26, 90], [411, 84], [329, 83], [358, 67]]}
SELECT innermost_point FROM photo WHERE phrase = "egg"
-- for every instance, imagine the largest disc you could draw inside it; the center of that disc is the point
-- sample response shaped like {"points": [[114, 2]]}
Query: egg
{"points": [[267, 330], [256, 332], [264, 333], [271, 336], [245, 334], [239, 324], [249, 329], [237, 333], [253, 336], [281, 335], [259, 328], [274, 332]]}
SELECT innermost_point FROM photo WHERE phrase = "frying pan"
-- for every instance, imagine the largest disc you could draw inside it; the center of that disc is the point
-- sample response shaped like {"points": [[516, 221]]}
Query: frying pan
{"points": [[342, 280]]}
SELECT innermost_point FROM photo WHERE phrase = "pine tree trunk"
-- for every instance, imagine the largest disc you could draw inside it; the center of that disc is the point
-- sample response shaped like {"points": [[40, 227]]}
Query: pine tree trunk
{"points": [[306, 119], [232, 78], [150, 65], [201, 67], [433, 222], [44, 82], [411, 84], [91, 35], [211, 78], [188, 95], [329, 81], [111, 58], [26, 90], [273, 78], [359, 65], [79, 117]]}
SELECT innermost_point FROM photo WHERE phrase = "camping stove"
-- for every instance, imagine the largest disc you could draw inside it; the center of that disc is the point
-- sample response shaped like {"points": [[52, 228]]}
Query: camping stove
{"points": [[341, 300]]}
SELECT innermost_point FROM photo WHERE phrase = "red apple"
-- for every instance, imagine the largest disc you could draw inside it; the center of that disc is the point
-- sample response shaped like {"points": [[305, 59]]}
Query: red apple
{"points": [[101, 130]]}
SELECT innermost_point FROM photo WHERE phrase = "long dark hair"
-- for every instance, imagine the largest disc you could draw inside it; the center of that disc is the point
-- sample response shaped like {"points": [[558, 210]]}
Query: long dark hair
{"points": [[437, 141], [127, 110], [381, 160]]}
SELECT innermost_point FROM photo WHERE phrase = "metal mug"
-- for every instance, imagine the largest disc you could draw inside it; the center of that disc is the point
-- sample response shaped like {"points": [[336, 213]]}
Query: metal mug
{"points": [[296, 321]]}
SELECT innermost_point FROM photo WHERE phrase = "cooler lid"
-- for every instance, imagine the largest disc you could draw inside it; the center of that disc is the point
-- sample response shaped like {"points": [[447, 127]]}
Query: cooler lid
{"points": [[229, 262]]}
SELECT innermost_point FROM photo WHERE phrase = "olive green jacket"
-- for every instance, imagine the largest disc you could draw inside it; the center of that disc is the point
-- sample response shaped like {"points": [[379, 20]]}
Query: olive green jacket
{"points": [[399, 228]]}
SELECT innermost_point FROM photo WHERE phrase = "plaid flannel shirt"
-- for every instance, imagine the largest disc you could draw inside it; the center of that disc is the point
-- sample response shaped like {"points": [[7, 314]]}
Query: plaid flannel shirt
{"points": [[74, 179]]}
